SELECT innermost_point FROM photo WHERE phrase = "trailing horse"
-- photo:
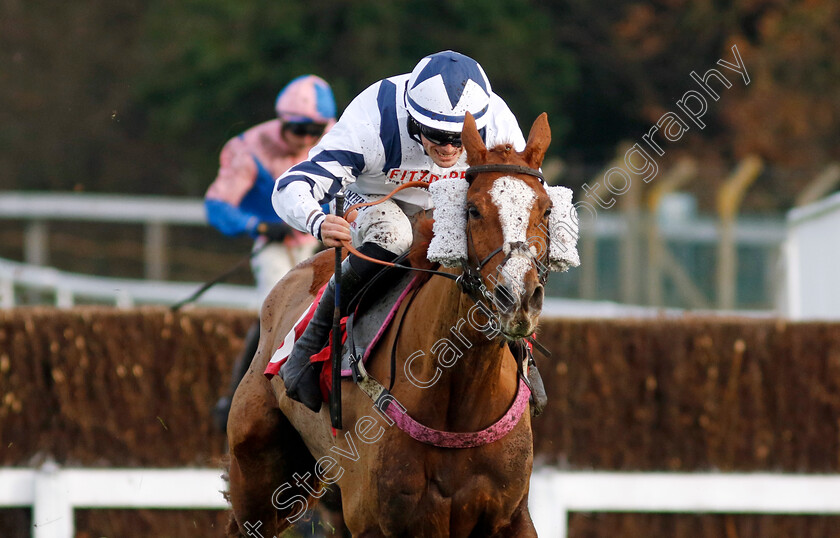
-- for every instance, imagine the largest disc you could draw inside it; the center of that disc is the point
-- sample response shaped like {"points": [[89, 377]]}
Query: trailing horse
{"points": [[447, 451]]}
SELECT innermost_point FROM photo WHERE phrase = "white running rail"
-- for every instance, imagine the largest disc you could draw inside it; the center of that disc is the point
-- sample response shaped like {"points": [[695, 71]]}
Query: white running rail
{"points": [[54, 493], [102, 207], [155, 213], [126, 293], [556, 493]]}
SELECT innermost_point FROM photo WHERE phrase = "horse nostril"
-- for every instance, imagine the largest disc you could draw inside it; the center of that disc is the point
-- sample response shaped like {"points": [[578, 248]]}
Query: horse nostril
{"points": [[504, 298], [535, 303]]}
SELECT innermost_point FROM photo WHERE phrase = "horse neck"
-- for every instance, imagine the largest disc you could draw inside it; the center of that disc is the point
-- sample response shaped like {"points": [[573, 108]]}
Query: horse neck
{"points": [[481, 381]]}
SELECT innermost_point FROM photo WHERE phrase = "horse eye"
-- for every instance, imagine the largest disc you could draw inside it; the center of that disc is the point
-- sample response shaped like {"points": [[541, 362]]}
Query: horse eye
{"points": [[472, 211], [547, 213]]}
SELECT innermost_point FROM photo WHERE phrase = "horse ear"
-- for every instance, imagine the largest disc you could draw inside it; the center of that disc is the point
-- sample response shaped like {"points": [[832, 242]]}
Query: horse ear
{"points": [[538, 140], [473, 144]]}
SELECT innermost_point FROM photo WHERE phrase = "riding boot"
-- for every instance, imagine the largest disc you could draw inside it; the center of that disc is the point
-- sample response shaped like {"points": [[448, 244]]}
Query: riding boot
{"points": [[240, 367], [299, 375]]}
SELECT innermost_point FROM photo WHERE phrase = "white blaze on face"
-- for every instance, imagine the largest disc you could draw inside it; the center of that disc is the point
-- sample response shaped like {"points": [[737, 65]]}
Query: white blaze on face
{"points": [[514, 199]]}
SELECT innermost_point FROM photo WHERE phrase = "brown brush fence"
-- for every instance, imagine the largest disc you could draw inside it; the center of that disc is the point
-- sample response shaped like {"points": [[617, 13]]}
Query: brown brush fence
{"points": [[101, 387]]}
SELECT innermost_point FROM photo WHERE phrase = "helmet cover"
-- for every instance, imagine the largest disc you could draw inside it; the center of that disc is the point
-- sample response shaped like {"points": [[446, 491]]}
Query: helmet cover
{"points": [[443, 87], [308, 98]]}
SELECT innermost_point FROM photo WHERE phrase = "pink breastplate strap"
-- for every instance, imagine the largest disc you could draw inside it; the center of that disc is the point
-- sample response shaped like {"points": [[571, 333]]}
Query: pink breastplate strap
{"points": [[486, 436], [429, 436]]}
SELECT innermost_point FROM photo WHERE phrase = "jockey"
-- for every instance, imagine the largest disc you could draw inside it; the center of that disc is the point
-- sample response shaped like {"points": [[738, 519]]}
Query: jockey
{"points": [[403, 128], [239, 200]]}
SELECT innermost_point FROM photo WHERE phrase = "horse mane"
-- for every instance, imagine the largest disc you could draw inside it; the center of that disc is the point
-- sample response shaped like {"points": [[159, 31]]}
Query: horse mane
{"points": [[503, 153], [419, 249], [504, 150]]}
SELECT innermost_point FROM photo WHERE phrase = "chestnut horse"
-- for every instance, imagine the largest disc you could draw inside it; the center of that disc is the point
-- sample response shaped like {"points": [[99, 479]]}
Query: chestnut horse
{"points": [[282, 455]]}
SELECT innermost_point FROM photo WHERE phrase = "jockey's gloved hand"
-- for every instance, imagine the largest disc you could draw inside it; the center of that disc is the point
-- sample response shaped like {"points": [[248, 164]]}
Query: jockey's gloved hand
{"points": [[275, 231]]}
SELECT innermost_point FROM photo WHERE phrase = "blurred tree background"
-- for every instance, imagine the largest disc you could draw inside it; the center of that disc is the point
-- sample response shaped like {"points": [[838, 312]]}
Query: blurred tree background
{"points": [[127, 96]]}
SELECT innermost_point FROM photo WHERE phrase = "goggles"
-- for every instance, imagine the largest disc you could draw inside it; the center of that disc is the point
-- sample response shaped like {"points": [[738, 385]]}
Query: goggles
{"points": [[436, 136], [305, 129]]}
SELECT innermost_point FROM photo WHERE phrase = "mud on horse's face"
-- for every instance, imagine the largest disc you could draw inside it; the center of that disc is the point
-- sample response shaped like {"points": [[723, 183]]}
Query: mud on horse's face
{"points": [[511, 210]]}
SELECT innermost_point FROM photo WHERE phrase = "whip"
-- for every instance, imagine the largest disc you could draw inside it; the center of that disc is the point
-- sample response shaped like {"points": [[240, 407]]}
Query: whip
{"points": [[335, 394], [224, 276]]}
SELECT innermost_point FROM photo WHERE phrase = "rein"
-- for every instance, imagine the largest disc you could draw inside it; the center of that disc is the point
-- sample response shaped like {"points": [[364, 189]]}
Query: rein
{"points": [[352, 249]]}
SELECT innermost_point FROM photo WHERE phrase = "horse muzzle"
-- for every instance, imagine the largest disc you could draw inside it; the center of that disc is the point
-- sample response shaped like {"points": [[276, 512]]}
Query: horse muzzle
{"points": [[519, 306]]}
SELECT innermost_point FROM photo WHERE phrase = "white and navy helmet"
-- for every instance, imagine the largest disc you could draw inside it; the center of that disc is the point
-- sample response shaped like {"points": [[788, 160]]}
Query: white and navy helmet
{"points": [[445, 86]]}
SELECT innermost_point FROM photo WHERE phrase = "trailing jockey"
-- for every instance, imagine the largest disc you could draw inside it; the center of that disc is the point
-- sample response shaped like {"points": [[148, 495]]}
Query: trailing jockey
{"points": [[239, 200]]}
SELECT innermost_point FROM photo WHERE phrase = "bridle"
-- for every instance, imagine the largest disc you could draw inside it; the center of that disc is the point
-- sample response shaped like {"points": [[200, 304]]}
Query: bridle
{"points": [[473, 171], [470, 281]]}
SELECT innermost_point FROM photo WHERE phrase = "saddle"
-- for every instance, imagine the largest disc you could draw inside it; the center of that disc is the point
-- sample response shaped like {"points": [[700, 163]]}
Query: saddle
{"points": [[371, 313]]}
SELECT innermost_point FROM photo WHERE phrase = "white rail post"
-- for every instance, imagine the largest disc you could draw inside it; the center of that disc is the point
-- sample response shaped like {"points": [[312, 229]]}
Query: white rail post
{"points": [[52, 513], [547, 504], [155, 250], [7, 292], [64, 298], [35, 249]]}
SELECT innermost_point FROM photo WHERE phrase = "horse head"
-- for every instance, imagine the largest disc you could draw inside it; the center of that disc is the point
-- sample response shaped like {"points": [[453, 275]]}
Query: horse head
{"points": [[504, 227], [507, 225]]}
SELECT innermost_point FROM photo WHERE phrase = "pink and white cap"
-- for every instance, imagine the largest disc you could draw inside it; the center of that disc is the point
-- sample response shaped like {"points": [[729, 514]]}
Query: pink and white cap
{"points": [[308, 98]]}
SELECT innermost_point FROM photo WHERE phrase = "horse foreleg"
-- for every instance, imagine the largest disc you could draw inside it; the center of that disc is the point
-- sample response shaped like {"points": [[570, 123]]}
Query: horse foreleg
{"points": [[520, 524], [331, 515], [265, 454], [250, 498]]}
